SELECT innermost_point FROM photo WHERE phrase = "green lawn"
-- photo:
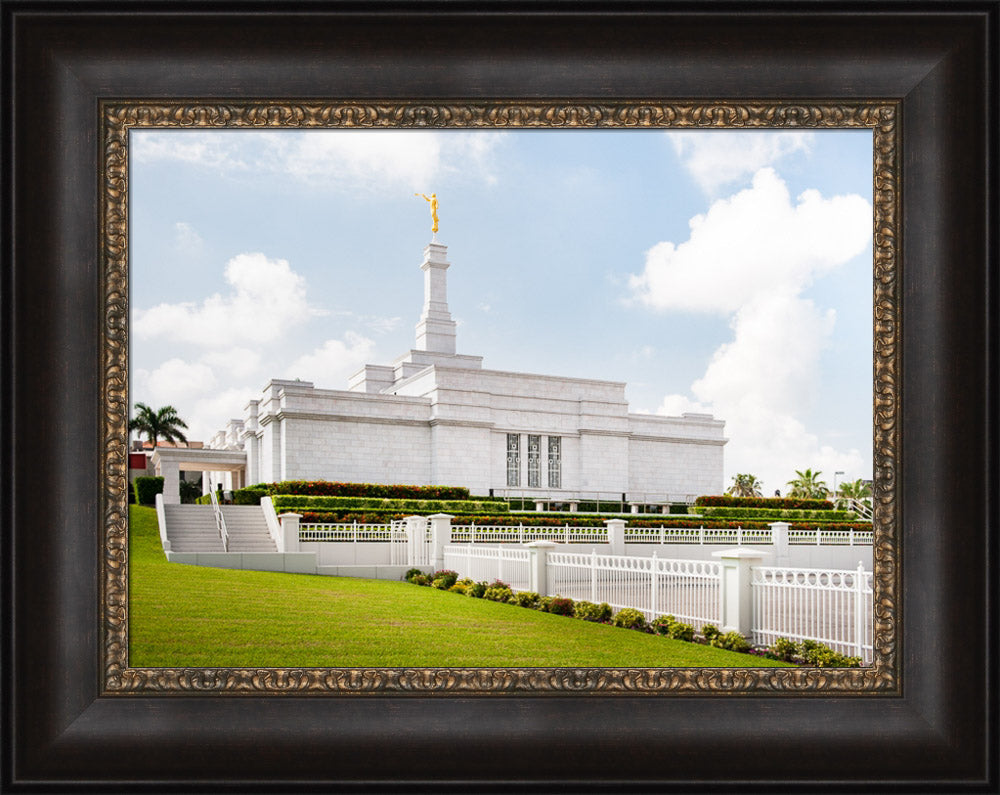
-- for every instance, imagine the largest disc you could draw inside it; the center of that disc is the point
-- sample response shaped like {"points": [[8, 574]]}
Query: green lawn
{"points": [[201, 617]]}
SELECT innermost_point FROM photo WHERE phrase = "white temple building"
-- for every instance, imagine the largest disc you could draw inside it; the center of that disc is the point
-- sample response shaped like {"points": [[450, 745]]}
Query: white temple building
{"points": [[436, 417]]}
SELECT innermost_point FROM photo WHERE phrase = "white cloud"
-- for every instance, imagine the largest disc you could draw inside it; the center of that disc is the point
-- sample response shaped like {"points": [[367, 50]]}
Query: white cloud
{"points": [[338, 160], [237, 361], [187, 241], [745, 245], [268, 298], [215, 150], [715, 158], [330, 365], [749, 258]]}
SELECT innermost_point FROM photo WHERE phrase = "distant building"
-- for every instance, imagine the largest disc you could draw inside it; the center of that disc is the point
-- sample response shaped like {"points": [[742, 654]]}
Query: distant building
{"points": [[434, 416]]}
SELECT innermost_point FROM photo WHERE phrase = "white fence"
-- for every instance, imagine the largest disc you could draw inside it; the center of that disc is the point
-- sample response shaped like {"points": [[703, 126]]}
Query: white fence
{"points": [[833, 607], [687, 589], [354, 532], [569, 534], [501, 534], [485, 564]]}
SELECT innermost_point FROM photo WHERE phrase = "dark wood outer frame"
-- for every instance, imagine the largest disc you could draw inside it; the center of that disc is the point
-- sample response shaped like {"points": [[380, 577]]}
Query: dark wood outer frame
{"points": [[941, 66]]}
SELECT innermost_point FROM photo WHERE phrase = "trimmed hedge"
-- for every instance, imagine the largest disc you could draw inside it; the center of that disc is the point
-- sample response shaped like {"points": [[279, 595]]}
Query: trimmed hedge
{"points": [[781, 503], [326, 488], [368, 503], [777, 515], [146, 488]]}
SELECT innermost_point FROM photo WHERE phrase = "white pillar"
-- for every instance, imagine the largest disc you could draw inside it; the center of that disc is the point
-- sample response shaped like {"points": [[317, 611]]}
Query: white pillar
{"points": [[616, 535], [539, 505], [633, 507], [779, 537], [440, 538], [735, 593], [289, 532], [171, 482], [574, 507], [538, 580]]}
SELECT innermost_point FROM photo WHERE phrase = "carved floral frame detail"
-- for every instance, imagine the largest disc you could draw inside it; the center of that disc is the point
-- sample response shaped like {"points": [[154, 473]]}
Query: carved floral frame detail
{"points": [[882, 677]]}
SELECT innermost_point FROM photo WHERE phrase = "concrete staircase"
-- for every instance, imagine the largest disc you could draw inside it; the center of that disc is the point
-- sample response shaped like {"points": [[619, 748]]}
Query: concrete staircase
{"points": [[191, 528]]}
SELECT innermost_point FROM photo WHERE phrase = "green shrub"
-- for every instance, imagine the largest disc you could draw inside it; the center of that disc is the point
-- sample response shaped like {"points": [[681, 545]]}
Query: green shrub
{"points": [[672, 628], [476, 590], [589, 611], [326, 488], [499, 593], [526, 599], [814, 653], [777, 514], [764, 502], [421, 579], [709, 631], [251, 495], [411, 506], [411, 573], [733, 641], [204, 499], [629, 618], [447, 577], [784, 649], [559, 605], [146, 489], [459, 587]]}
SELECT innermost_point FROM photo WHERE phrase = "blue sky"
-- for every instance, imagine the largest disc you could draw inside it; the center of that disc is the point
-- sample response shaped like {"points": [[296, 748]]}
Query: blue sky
{"points": [[711, 271]]}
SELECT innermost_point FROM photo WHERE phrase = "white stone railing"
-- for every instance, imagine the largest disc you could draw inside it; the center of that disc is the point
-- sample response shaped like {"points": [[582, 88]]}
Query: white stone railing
{"points": [[161, 520]]}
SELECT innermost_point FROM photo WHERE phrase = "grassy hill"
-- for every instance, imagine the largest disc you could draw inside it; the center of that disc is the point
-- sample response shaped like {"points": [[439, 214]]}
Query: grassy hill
{"points": [[202, 617]]}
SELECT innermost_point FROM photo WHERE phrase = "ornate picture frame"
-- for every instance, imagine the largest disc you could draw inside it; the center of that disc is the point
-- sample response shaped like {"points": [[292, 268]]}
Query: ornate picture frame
{"points": [[119, 118], [77, 717]]}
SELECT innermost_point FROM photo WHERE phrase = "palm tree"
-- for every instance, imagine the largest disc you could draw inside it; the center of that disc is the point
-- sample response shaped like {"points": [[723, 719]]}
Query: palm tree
{"points": [[808, 486], [745, 485], [160, 424], [854, 490]]}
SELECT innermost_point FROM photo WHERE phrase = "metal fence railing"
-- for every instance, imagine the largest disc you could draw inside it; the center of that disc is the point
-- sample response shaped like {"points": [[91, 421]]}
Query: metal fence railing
{"points": [[831, 606], [486, 564]]}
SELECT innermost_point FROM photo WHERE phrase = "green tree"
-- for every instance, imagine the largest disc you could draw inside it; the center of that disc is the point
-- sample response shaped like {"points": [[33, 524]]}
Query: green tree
{"points": [[163, 423], [854, 490], [745, 485], [807, 486]]}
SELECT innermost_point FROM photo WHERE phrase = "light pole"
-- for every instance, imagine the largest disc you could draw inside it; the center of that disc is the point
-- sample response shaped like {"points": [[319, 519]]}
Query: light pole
{"points": [[836, 474]]}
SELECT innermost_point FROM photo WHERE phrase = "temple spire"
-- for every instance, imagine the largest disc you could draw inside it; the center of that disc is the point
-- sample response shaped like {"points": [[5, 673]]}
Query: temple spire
{"points": [[436, 329]]}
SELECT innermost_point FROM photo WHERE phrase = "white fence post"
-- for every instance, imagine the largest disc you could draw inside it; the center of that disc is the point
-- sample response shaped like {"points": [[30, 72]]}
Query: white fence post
{"points": [[593, 575], [616, 535], [440, 538], [289, 531], [538, 566], [735, 593], [779, 538], [860, 613], [652, 587]]}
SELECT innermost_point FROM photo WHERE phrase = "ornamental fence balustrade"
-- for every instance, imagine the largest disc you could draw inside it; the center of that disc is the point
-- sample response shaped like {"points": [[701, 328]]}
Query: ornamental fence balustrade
{"points": [[570, 534]]}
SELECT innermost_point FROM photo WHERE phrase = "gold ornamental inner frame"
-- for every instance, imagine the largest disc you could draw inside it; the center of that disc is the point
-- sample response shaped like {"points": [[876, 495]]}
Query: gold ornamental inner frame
{"points": [[882, 677]]}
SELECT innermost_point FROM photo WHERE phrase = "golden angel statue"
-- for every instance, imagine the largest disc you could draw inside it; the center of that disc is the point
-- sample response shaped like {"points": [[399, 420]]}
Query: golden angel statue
{"points": [[434, 209]]}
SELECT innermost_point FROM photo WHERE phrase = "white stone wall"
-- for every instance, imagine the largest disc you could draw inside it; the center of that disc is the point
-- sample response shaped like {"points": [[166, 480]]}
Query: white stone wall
{"points": [[448, 426], [357, 451], [673, 470]]}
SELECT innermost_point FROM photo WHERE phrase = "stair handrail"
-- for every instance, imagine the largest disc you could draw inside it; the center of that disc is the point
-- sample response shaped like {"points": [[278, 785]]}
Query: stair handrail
{"points": [[220, 521], [859, 508]]}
